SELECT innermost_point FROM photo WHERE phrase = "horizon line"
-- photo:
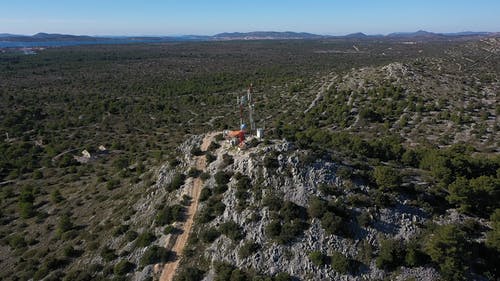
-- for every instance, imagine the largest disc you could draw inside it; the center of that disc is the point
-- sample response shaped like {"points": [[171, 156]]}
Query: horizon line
{"points": [[214, 34]]}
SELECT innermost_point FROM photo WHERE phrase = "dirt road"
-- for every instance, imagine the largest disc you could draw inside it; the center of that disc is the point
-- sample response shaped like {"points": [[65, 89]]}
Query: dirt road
{"points": [[169, 269]]}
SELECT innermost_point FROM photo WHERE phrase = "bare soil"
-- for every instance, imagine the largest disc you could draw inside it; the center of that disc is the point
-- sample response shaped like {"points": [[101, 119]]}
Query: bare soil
{"points": [[194, 192]]}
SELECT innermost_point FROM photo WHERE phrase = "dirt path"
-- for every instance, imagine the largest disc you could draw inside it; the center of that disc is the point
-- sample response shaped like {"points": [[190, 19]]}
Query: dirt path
{"points": [[169, 269]]}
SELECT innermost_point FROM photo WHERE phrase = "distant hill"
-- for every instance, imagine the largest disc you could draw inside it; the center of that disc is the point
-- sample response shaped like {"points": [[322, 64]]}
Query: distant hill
{"points": [[40, 39], [256, 35], [47, 37], [431, 35]]}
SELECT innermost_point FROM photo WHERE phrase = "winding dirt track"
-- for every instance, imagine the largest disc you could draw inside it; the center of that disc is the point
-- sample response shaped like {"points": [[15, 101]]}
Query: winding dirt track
{"points": [[194, 191]]}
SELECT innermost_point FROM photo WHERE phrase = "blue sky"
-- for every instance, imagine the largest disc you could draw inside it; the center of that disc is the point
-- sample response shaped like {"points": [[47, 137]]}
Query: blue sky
{"points": [[174, 17]]}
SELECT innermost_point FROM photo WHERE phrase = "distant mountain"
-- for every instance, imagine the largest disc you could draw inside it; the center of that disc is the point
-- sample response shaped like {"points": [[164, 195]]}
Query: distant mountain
{"points": [[256, 35], [431, 35], [54, 39], [3, 35], [420, 33], [47, 37]]}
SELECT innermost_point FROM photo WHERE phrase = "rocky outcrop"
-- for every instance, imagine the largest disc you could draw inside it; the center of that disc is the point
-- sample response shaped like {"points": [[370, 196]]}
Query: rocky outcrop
{"points": [[297, 179]]}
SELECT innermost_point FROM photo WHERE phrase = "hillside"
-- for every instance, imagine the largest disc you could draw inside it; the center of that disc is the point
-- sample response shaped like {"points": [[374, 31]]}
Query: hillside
{"points": [[380, 161]]}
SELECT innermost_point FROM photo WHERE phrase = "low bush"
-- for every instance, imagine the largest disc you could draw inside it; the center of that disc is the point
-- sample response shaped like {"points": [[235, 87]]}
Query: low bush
{"points": [[177, 182], [391, 254], [205, 194], [108, 254], [340, 263], [123, 267], [232, 230], [193, 172], [209, 235], [169, 214], [317, 258], [222, 178], [155, 254], [248, 249], [145, 239], [190, 274]]}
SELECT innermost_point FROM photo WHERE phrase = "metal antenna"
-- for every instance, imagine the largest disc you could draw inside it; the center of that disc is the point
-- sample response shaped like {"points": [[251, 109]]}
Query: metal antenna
{"points": [[250, 107]]}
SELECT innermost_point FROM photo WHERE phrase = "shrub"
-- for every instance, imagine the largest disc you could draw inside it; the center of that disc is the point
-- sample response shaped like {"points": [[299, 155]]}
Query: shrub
{"points": [[247, 249], [365, 252], [223, 271], [120, 230], [145, 239], [282, 276], [190, 274], [273, 201], [447, 247], [220, 188], [169, 214], [364, 219], [344, 172], [273, 229], [331, 223], [26, 199], [210, 158], [238, 275], [196, 151], [493, 236], [155, 254], [329, 189], [317, 258], [186, 201], [205, 176], [56, 197], [209, 235], [414, 256], [26, 210], [131, 235], [231, 230], [168, 229], [70, 252], [205, 194], [291, 211], [222, 178], [64, 224], [112, 184], [226, 160], [340, 263], [123, 267], [193, 172], [271, 162], [108, 254], [390, 254], [317, 207], [177, 182], [17, 241], [386, 177]]}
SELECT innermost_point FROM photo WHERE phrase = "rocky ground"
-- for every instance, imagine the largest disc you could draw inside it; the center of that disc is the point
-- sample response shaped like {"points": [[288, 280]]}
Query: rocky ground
{"points": [[296, 178]]}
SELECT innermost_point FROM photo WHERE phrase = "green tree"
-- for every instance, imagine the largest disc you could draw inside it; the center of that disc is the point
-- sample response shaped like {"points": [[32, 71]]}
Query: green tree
{"points": [[493, 236], [340, 263], [390, 254], [317, 258], [56, 196], [123, 267], [317, 207], [386, 177], [447, 247], [65, 224], [26, 199]]}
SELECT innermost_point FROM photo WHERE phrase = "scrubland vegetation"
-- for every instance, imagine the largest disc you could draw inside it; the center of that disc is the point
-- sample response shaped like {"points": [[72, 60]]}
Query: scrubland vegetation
{"points": [[429, 134]]}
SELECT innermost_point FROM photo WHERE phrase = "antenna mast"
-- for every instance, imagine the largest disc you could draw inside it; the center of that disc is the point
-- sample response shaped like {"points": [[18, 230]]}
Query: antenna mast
{"points": [[251, 106]]}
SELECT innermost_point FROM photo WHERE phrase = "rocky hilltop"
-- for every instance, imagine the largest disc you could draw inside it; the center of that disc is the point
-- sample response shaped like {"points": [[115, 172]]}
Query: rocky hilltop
{"points": [[278, 210]]}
